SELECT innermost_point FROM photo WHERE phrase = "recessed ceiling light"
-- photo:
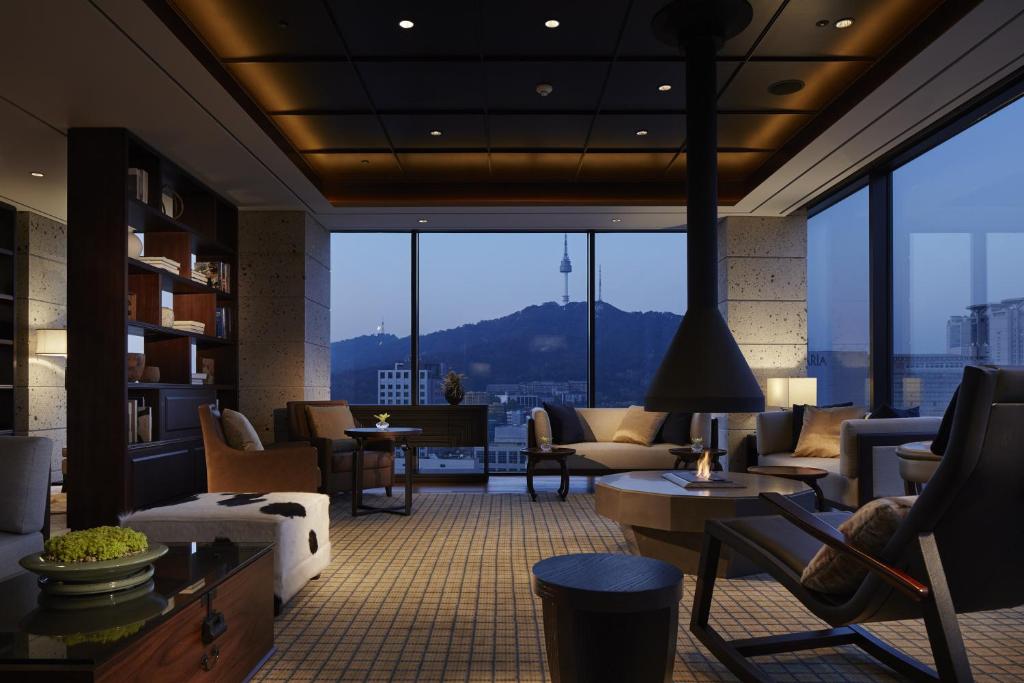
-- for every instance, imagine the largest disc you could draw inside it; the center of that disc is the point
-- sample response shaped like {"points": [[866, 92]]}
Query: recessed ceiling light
{"points": [[283, 23], [423, 220], [436, 133], [845, 22], [37, 174], [552, 23], [616, 220], [664, 88], [641, 132], [406, 24], [786, 87], [365, 161], [822, 23]]}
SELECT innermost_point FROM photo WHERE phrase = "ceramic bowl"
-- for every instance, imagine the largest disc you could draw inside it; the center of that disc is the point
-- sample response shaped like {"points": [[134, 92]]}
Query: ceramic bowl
{"points": [[104, 570]]}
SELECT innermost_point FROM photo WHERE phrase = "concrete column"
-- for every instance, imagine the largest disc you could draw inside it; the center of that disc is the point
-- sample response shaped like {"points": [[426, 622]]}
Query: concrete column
{"points": [[40, 400], [284, 313], [762, 292]]}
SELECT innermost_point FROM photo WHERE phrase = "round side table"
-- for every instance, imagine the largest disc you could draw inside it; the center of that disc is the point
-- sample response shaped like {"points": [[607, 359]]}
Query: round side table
{"points": [[559, 455], [917, 465], [807, 475]]}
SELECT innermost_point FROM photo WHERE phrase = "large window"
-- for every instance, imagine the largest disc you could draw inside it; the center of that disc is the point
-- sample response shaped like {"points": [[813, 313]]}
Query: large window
{"points": [[958, 249], [641, 297], [837, 301]]}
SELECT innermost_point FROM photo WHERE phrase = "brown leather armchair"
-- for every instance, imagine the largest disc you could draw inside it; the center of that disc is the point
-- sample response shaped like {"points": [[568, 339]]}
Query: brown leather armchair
{"points": [[337, 455], [282, 467]]}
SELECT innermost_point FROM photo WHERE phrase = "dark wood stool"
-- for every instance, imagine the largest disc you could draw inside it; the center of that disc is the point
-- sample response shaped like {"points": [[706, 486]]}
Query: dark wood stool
{"points": [[556, 453], [609, 617]]}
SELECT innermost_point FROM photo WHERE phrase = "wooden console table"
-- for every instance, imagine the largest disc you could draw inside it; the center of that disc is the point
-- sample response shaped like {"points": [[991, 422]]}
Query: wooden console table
{"points": [[444, 426]]}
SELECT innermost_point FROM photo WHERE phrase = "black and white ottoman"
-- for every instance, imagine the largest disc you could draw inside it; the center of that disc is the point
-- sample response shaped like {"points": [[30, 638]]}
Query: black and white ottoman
{"points": [[298, 524]]}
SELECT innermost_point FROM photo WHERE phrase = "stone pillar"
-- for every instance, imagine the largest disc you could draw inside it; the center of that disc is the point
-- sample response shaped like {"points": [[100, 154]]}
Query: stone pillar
{"points": [[40, 399], [284, 313], [762, 292]]}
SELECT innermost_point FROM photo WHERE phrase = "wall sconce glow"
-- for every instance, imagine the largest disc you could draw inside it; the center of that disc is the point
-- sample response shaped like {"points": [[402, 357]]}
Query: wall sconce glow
{"points": [[552, 23], [406, 24], [37, 174], [845, 22], [52, 343], [784, 392], [641, 132], [436, 133], [664, 87]]}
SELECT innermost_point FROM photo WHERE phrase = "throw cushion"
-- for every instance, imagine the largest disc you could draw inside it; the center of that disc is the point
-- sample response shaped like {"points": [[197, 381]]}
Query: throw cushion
{"points": [[798, 419], [566, 426], [639, 426], [329, 422], [820, 436], [870, 529], [941, 439], [886, 411], [239, 432], [675, 429]]}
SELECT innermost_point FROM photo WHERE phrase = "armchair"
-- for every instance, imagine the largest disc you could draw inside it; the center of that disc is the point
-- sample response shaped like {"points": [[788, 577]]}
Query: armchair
{"points": [[861, 472], [282, 467], [958, 550], [336, 456], [24, 498]]}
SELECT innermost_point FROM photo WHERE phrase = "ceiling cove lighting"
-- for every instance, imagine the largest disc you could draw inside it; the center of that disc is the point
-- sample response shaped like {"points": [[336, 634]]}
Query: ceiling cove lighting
{"points": [[436, 133], [406, 24], [552, 23], [641, 132], [845, 22], [37, 174], [664, 88]]}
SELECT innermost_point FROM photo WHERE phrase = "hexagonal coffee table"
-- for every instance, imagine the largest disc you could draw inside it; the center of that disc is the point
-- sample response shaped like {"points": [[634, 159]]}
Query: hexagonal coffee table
{"points": [[665, 521]]}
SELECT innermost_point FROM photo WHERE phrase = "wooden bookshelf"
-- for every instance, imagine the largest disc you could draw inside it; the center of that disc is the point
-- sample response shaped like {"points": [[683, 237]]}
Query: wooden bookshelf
{"points": [[108, 474], [8, 220]]}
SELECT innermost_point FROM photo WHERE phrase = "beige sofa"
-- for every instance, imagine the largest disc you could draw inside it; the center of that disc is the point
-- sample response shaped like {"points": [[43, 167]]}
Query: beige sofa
{"points": [[867, 466], [599, 454]]}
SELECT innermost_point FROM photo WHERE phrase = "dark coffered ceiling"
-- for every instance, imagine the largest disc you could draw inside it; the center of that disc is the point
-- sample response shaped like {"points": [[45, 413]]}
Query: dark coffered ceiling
{"points": [[353, 98]]}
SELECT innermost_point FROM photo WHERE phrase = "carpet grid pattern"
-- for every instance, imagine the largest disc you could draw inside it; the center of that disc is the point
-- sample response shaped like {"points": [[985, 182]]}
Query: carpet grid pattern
{"points": [[444, 595]]}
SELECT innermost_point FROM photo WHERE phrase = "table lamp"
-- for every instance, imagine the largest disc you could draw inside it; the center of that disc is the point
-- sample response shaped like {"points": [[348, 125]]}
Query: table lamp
{"points": [[784, 392]]}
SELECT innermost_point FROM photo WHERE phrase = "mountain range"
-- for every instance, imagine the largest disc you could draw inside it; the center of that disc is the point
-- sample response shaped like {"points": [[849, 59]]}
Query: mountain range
{"points": [[541, 342]]}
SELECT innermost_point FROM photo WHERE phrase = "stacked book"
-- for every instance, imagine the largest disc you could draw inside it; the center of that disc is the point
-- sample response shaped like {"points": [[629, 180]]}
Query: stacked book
{"points": [[200, 278], [193, 326], [162, 262], [217, 273], [198, 378]]}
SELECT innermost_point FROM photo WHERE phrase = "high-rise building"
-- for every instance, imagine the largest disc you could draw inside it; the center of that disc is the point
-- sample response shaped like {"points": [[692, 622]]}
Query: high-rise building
{"points": [[565, 268], [394, 386]]}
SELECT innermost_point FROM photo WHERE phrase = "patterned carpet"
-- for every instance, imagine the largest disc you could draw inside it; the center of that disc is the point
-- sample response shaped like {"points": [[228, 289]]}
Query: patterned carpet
{"points": [[444, 595]]}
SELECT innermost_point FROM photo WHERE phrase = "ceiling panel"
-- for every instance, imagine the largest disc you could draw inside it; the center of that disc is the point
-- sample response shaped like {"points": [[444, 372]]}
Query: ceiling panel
{"points": [[262, 28], [634, 85], [586, 28], [424, 85], [291, 86], [878, 25], [457, 130], [447, 166], [621, 131], [533, 167], [758, 131], [732, 166], [636, 166], [822, 82], [332, 131], [513, 85], [364, 166], [370, 27], [539, 130]]}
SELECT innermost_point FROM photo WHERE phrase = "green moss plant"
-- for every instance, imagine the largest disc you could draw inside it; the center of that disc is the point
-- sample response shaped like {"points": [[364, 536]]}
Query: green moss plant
{"points": [[94, 545]]}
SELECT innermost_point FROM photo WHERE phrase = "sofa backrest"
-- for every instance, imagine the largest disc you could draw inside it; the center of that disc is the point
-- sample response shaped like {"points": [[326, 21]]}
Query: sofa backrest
{"points": [[24, 483]]}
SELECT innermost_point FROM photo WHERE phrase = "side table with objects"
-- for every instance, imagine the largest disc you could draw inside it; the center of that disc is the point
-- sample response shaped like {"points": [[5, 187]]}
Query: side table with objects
{"points": [[365, 435], [917, 465], [807, 475], [556, 453]]}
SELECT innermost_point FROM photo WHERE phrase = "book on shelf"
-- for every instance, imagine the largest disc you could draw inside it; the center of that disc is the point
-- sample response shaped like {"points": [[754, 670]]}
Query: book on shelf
{"points": [[193, 326], [162, 262], [217, 274], [690, 480], [222, 323], [198, 378], [200, 278]]}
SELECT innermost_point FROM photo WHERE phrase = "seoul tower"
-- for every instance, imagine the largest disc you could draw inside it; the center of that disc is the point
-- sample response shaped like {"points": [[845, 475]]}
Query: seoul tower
{"points": [[565, 269]]}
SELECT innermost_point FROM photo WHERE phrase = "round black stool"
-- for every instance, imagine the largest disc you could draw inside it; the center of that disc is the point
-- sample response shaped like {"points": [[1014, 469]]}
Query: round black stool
{"points": [[609, 617]]}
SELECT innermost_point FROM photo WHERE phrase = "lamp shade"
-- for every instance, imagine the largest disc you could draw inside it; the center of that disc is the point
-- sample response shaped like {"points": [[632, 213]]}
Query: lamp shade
{"points": [[52, 343], [787, 391]]}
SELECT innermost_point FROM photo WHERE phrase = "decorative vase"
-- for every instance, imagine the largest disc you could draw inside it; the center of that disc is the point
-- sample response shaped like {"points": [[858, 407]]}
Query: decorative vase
{"points": [[136, 366], [151, 374], [134, 244], [382, 425]]}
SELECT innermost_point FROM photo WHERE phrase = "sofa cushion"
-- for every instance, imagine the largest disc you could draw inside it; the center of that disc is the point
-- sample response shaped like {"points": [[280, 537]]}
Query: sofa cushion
{"points": [[329, 422], [13, 547], [675, 429], [820, 435], [798, 420], [639, 426], [565, 424], [600, 424], [886, 411], [239, 432], [869, 529]]}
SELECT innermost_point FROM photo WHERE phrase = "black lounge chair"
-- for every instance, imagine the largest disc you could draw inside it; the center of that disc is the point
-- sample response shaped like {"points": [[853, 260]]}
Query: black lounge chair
{"points": [[960, 549]]}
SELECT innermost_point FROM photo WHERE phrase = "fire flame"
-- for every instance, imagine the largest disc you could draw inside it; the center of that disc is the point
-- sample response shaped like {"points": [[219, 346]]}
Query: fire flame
{"points": [[704, 466]]}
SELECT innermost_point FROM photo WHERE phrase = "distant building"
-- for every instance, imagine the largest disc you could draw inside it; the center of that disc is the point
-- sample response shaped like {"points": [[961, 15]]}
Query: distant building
{"points": [[394, 386]]}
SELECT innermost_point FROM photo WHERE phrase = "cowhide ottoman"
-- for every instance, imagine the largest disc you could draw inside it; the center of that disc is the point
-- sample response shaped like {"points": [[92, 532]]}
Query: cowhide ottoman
{"points": [[298, 524]]}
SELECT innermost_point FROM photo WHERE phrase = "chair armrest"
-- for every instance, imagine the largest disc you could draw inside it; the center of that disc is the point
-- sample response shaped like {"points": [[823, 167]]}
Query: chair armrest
{"points": [[836, 540], [292, 468], [859, 439], [284, 445], [539, 424]]}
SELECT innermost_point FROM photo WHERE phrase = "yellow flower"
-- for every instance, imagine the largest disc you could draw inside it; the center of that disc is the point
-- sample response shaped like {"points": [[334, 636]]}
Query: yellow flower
{"points": [[383, 417]]}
